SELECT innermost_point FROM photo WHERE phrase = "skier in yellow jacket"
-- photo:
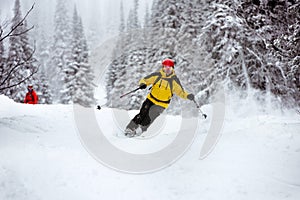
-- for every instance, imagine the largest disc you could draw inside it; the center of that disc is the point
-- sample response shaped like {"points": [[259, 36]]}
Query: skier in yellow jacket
{"points": [[164, 83]]}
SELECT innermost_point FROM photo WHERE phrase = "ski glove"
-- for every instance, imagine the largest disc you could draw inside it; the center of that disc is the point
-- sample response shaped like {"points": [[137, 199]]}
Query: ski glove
{"points": [[190, 97], [143, 86]]}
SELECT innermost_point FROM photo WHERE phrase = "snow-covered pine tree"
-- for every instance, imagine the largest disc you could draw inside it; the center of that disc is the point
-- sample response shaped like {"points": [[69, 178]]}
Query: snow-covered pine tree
{"points": [[285, 47], [72, 65], [259, 60], [225, 38], [122, 76], [20, 57], [293, 76], [45, 93], [175, 26], [146, 30], [15, 50], [154, 20], [60, 53], [115, 68], [130, 20], [133, 34], [191, 18], [147, 19], [79, 83], [133, 19], [189, 58], [122, 42], [129, 64], [117, 86], [122, 18], [111, 78], [165, 23], [275, 24]]}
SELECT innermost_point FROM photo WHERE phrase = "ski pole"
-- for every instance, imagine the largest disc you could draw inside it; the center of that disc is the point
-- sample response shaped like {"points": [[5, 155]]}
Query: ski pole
{"points": [[204, 115], [130, 92]]}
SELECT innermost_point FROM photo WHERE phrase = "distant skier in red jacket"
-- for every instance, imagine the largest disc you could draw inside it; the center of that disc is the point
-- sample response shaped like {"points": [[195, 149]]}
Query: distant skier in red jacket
{"points": [[31, 96]]}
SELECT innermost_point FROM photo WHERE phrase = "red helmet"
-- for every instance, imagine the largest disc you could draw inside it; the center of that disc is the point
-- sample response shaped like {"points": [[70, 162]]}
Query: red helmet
{"points": [[168, 62]]}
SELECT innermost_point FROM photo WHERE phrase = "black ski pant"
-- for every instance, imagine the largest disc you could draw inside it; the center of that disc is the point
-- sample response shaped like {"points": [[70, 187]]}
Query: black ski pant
{"points": [[148, 113]]}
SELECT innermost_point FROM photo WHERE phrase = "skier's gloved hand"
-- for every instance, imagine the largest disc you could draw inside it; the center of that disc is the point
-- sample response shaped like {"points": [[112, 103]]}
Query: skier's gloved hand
{"points": [[190, 97], [143, 86]]}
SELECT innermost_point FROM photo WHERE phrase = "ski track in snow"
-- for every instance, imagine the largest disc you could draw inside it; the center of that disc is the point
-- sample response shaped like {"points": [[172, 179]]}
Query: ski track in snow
{"points": [[256, 157]]}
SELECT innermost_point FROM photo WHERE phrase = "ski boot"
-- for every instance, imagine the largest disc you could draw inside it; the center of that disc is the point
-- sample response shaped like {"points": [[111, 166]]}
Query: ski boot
{"points": [[129, 132], [139, 131]]}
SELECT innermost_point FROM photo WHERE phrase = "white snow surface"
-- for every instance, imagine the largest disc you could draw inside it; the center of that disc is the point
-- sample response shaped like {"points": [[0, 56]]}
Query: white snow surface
{"points": [[42, 157]]}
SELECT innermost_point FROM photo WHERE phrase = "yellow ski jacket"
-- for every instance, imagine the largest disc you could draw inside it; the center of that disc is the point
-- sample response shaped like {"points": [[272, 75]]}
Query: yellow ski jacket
{"points": [[163, 87]]}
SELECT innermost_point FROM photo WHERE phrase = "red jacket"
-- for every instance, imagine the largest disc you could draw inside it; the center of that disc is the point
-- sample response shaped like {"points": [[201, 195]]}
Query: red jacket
{"points": [[31, 98]]}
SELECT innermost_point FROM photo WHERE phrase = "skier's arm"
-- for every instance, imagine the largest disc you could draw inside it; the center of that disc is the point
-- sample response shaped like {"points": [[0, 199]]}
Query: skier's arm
{"points": [[178, 89], [148, 80]]}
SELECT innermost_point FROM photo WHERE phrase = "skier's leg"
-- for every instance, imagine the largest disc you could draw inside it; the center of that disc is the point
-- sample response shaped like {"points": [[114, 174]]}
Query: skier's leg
{"points": [[143, 115], [154, 112], [144, 112], [132, 125]]}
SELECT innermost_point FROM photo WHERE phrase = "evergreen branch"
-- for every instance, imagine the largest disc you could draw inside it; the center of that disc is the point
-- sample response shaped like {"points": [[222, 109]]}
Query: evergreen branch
{"points": [[20, 23]]}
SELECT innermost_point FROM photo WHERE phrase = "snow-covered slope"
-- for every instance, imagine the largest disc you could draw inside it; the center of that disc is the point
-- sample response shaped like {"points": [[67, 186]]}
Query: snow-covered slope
{"points": [[42, 157]]}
